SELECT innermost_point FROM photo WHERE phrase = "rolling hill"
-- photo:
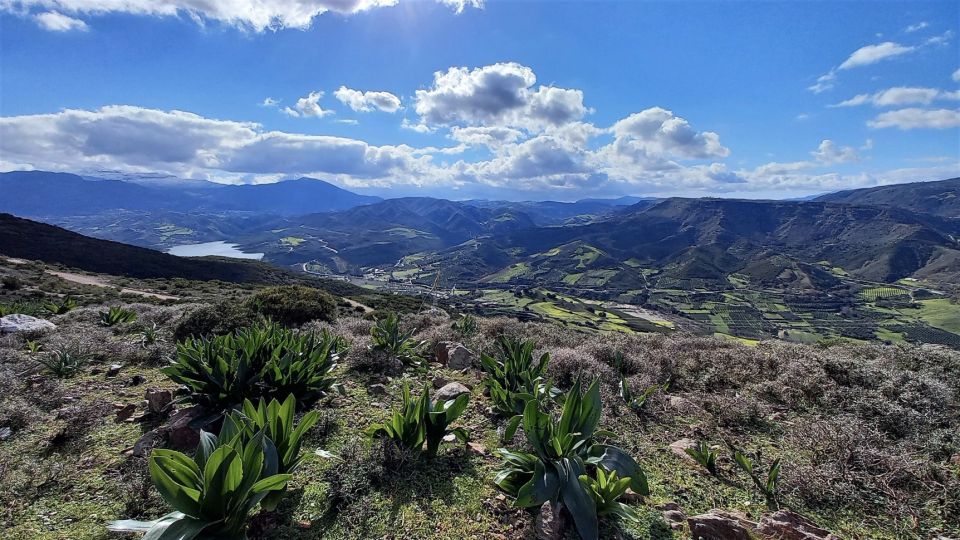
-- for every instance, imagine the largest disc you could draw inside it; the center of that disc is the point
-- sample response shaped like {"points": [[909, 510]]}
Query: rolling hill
{"points": [[941, 198]]}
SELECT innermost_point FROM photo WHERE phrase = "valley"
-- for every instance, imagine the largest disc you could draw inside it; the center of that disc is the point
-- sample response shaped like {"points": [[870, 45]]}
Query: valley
{"points": [[881, 264]]}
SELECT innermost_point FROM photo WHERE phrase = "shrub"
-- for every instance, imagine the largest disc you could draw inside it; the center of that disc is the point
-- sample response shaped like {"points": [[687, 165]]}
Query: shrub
{"points": [[465, 327], [64, 363], [11, 283], [564, 450], [606, 489], [636, 402], [213, 493], [218, 319], [117, 315], [150, 335], [59, 308], [263, 361], [276, 421], [514, 377], [704, 455], [293, 305], [388, 338], [767, 483], [419, 421]]}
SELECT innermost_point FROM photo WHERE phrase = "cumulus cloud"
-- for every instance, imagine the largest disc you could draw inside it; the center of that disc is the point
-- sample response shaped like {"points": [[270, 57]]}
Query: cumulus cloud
{"points": [[308, 105], [659, 132], [182, 143], [915, 118], [871, 54], [829, 153], [58, 22], [956, 75], [900, 95], [256, 15], [498, 94], [367, 101], [489, 136]]}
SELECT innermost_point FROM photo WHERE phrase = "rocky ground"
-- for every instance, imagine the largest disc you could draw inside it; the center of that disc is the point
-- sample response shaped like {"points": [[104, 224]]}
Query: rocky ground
{"points": [[867, 435]]}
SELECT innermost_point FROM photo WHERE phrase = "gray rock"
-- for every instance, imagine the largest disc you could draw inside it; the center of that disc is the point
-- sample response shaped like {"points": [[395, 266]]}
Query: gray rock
{"points": [[19, 322], [460, 358], [551, 522], [114, 370], [377, 389], [680, 448], [182, 430], [451, 391], [441, 352], [787, 525]]}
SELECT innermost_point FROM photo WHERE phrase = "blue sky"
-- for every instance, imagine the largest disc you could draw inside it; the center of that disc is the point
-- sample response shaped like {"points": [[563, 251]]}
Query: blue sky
{"points": [[517, 100]]}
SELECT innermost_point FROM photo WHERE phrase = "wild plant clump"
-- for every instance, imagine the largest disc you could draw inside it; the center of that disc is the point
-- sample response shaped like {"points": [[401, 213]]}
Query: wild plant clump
{"points": [[265, 361], [420, 421], [570, 464], [391, 340], [214, 492]]}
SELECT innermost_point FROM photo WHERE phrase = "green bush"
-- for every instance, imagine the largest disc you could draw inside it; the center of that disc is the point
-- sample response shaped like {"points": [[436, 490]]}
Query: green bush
{"points": [[59, 308], [704, 455], [293, 305], [214, 492], [420, 421], [514, 377], [564, 450], [389, 339], [265, 361], [64, 363], [218, 319], [117, 315]]}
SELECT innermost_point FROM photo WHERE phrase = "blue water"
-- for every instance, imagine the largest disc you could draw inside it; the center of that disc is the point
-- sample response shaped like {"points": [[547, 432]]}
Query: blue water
{"points": [[220, 249]]}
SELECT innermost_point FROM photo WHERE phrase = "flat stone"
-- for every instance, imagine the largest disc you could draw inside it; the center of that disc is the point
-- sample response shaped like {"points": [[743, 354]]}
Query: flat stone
{"points": [[451, 391], [125, 411], [114, 370], [717, 526], [18, 322], [787, 525], [680, 448]]}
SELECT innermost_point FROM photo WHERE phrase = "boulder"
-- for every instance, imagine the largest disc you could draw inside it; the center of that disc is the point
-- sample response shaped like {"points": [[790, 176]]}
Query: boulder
{"points": [[158, 401], [717, 525], [19, 322], [450, 391], [787, 525], [124, 412], [551, 521], [182, 431], [680, 448], [460, 358], [114, 370], [439, 381]]}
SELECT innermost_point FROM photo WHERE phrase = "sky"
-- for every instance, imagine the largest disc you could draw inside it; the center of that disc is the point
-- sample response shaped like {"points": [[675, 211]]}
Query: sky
{"points": [[461, 99]]}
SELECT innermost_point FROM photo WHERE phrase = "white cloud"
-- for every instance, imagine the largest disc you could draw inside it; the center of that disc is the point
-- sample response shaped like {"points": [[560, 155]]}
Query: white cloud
{"points": [[956, 76], [498, 94], [367, 101], [492, 137], [269, 102], [824, 82], [309, 105], [942, 39], [871, 54], [658, 132], [185, 144], [914, 27], [58, 22], [900, 95], [829, 153], [914, 118], [256, 15]]}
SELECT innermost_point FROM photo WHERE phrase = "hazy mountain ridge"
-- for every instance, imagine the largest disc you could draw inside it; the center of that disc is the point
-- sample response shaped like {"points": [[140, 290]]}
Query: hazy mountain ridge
{"points": [[940, 198]]}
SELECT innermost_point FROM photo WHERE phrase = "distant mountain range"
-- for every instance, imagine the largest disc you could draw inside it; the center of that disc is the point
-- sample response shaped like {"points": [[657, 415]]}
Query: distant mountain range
{"points": [[880, 234], [54, 195]]}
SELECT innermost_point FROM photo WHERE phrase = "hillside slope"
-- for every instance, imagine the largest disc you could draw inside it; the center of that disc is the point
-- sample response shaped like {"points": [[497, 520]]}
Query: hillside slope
{"points": [[940, 198]]}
